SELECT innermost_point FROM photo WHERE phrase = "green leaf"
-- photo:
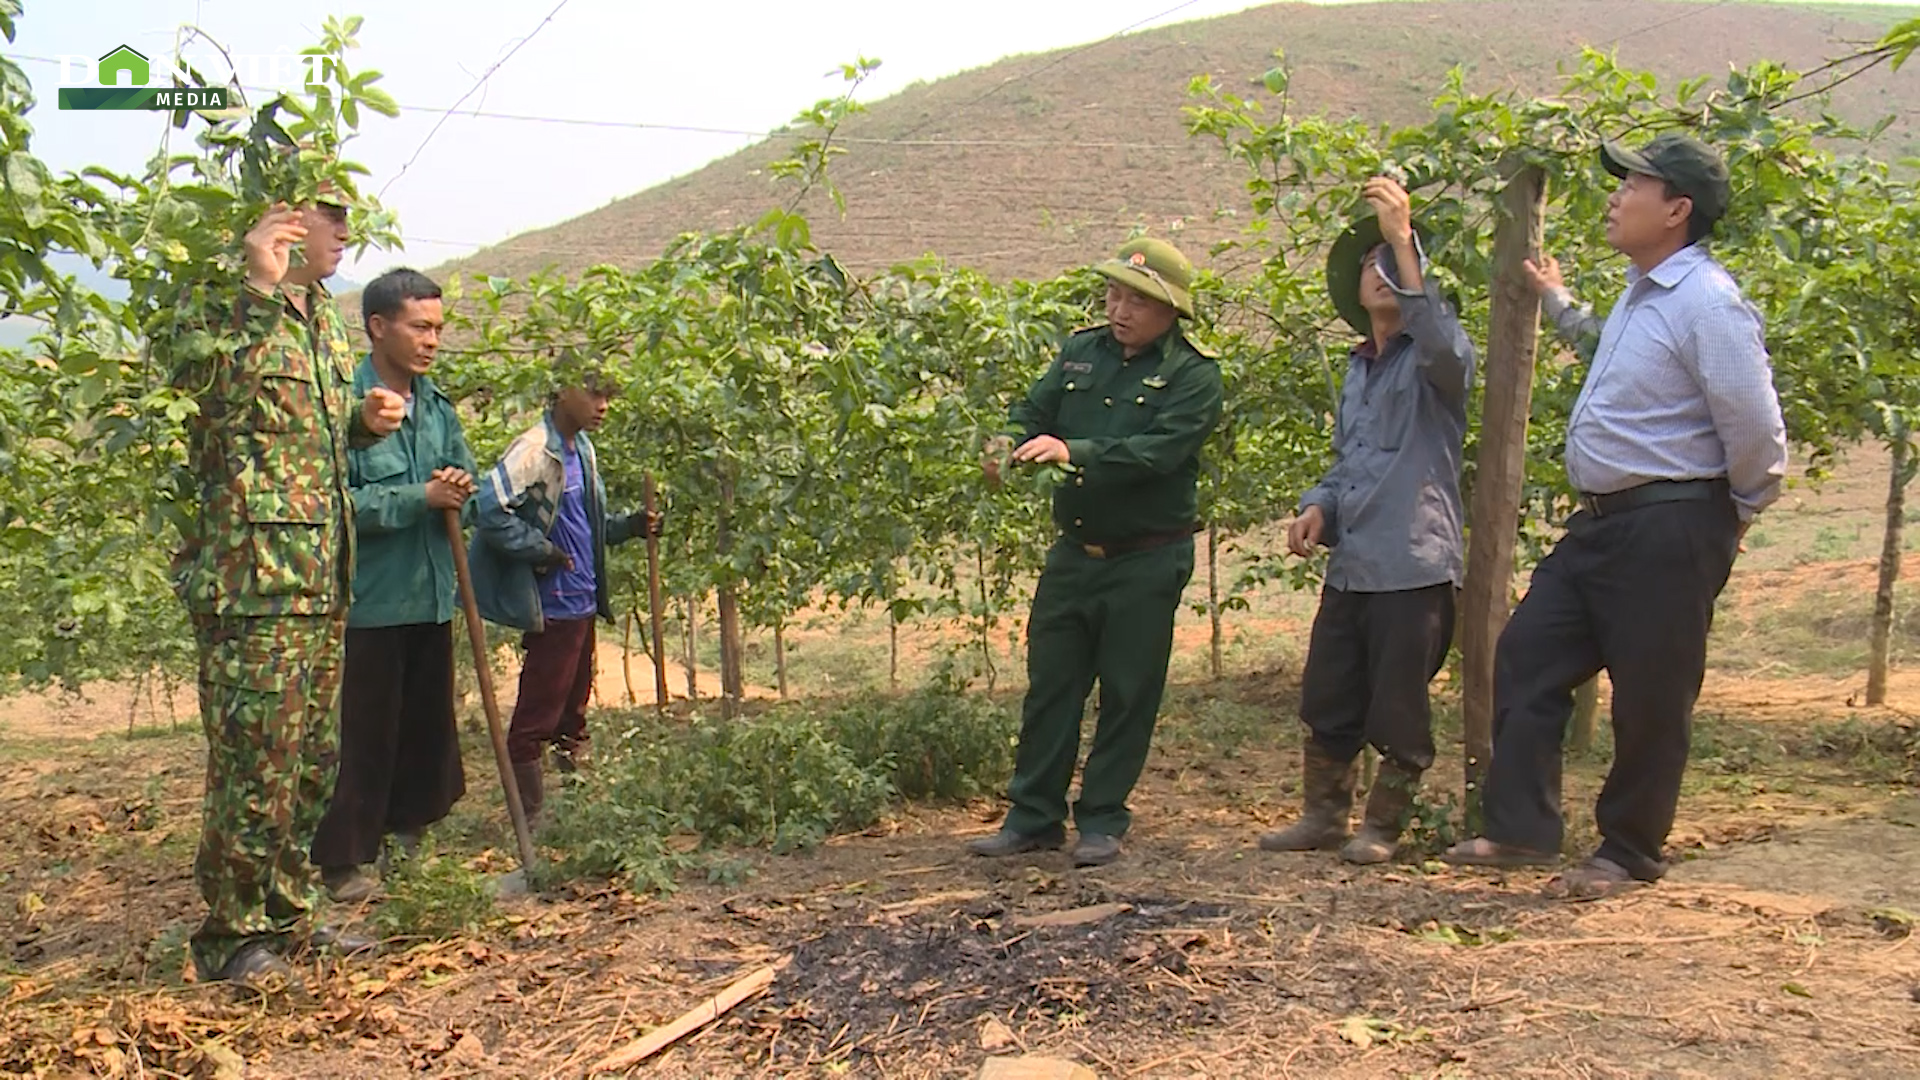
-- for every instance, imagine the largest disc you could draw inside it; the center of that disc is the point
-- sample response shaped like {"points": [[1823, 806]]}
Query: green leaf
{"points": [[23, 177], [378, 100]]}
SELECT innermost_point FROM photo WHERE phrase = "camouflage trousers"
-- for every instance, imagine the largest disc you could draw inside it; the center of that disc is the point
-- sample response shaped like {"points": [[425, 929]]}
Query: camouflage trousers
{"points": [[269, 697]]}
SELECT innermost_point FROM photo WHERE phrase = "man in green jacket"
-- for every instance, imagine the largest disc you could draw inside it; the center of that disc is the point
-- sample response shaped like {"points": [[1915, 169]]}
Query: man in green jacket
{"points": [[1123, 411], [399, 749]]}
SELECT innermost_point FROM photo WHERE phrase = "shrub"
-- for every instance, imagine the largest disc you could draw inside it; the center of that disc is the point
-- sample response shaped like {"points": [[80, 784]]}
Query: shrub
{"points": [[788, 779]]}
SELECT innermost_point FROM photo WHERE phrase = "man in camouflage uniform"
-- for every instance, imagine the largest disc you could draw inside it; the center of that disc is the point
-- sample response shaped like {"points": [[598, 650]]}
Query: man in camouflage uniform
{"points": [[264, 571], [1124, 409]]}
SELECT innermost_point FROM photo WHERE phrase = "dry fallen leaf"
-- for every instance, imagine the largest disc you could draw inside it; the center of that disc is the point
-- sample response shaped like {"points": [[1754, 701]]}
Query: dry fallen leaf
{"points": [[467, 1050], [219, 1062]]}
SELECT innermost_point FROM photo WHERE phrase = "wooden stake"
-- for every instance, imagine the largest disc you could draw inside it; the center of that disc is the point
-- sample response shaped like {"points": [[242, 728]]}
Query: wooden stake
{"points": [[1073, 916], [655, 612], [626, 659], [1880, 633], [780, 653], [691, 1021], [1500, 467]]}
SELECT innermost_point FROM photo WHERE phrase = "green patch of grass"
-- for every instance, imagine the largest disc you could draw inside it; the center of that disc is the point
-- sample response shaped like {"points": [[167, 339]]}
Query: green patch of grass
{"points": [[149, 732], [1224, 725], [433, 896], [1725, 746], [663, 794], [1813, 632], [1433, 825]]}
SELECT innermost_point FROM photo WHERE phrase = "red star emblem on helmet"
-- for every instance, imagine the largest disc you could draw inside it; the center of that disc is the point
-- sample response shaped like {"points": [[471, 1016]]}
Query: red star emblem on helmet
{"points": [[1138, 258]]}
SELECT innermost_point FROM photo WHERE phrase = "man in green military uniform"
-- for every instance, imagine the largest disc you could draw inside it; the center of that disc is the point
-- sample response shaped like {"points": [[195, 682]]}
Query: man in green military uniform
{"points": [[264, 570], [1122, 410]]}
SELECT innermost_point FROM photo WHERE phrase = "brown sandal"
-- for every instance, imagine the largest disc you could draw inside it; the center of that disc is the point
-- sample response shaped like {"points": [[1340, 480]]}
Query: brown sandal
{"points": [[1481, 851], [1595, 879]]}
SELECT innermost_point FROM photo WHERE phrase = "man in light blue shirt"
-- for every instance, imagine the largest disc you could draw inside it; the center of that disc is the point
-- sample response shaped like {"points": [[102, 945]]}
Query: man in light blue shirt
{"points": [[1675, 443]]}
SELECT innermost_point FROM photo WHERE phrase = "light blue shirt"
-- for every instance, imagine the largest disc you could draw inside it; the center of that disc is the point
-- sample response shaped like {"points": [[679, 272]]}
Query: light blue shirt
{"points": [[1680, 387]]}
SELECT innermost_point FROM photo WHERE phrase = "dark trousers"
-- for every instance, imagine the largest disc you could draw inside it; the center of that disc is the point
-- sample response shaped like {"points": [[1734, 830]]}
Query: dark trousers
{"points": [[400, 767], [1369, 661], [1110, 619], [1632, 593], [556, 679]]}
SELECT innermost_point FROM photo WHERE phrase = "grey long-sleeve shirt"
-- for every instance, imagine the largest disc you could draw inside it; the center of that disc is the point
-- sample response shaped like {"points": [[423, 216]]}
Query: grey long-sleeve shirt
{"points": [[1392, 498], [1680, 387]]}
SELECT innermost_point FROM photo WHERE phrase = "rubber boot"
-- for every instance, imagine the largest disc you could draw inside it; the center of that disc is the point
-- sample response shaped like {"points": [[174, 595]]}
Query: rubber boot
{"points": [[533, 789], [1386, 815], [1326, 788]]}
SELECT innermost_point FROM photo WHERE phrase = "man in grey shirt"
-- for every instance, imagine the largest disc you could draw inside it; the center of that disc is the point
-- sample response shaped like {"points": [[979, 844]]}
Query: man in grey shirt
{"points": [[1390, 511], [1675, 443]]}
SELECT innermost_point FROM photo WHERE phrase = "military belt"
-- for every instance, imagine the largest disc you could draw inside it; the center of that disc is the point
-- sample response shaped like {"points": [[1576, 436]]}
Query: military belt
{"points": [[1113, 549]]}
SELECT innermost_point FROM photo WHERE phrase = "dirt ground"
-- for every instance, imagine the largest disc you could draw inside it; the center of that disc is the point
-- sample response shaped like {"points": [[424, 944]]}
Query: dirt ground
{"points": [[1780, 943]]}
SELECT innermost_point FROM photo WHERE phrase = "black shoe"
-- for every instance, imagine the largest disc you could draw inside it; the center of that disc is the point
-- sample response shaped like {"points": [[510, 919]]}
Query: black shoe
{"points": [[333, 939], [1007, 842], [257, 968], [348, 884], [1095, 849], [408, 842]]}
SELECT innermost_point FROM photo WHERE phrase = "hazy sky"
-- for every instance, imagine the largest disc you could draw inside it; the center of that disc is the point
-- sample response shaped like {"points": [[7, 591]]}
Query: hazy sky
{"points": [[740, 65]]}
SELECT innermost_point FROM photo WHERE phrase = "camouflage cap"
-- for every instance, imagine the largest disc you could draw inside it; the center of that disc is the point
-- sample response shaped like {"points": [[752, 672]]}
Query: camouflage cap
{"points": [[1693, 168], [1155, 269]]}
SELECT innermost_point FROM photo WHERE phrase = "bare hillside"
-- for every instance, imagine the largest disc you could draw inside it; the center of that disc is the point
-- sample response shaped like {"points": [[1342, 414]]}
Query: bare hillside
{"points": [[1038, 162]]}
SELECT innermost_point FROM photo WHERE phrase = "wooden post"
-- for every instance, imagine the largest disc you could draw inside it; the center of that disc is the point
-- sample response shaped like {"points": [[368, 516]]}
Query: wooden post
{"points": [[1880, 641], [986, 615], [1586, 715], [727, 607], [780, 653], [656, 611], [1214, 632], [626, 659], [693, 646], [1500, 467]]}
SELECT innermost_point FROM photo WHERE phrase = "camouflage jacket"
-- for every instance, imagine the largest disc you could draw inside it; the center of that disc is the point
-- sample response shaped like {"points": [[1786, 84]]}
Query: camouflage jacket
{"points": [[268, 531]]}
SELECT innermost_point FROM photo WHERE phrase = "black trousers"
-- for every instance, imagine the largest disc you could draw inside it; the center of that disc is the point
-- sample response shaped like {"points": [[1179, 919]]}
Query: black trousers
{"points": [[1369, 661], [1631, 593], [400, 764]]}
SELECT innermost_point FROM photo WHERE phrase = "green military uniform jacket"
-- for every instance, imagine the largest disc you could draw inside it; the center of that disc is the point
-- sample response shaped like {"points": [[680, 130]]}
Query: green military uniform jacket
{"points": [[404, 574], [268, 451], [1133, 429]]}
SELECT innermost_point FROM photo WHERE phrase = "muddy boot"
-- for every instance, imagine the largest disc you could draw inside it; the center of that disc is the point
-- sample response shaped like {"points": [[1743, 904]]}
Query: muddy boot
{"points": [[1326, 788], [255, 967], [1386, 815], [533, 790], [348, 884]]}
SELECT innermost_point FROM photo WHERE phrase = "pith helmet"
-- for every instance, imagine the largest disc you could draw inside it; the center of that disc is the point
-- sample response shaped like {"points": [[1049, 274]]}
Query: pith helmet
{"points": [[1153, 268]]}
